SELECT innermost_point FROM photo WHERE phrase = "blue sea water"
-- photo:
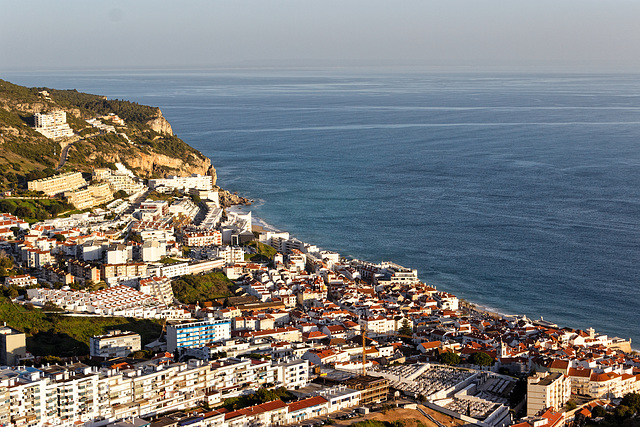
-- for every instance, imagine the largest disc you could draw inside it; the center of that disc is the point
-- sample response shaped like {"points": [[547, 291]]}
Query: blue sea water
{"points": [[518, 192]]}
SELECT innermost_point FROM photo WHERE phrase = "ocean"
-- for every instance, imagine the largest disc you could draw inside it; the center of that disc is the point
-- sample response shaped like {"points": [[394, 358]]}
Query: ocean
{"points": [[518, 192]]}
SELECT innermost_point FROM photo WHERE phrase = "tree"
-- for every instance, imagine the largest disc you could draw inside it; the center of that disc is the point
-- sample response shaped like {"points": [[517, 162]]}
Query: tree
{"points": [[120, 194], [406, 328], [632, 400], [622, 412], [50, 359], [60, 237], [23, 211], [598, 411], [7, 206], [49, 306], [449, 358], [55, 209], [135, 238], [481, 359], [6, 260]]}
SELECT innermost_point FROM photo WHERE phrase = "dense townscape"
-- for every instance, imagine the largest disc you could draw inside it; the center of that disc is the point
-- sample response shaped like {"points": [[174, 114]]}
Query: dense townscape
{"points": [[300, 335]]}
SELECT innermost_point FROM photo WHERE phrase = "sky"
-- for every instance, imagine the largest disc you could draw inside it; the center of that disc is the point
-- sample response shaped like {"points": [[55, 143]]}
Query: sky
{"points": [[588, 35]]}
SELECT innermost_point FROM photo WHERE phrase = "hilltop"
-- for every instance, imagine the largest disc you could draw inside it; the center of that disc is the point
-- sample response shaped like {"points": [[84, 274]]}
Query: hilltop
{"points": [[145, 142]]}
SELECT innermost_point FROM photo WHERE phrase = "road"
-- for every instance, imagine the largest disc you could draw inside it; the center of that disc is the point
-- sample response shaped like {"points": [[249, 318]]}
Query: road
{"points": [[65, 153]]}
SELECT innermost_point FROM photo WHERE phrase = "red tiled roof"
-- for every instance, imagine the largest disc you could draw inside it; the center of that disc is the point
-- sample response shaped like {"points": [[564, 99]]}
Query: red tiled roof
{"points": [[306, 403]]}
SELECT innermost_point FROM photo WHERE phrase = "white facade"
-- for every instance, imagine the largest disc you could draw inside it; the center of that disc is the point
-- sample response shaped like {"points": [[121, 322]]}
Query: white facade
{"points": [[114, 344], [293, 374], [52, 125], [546, 390], [58, 184], [194, 181]]}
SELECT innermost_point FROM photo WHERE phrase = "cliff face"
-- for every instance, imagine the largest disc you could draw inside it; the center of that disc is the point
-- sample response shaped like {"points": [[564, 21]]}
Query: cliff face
{"points": [[160, 124], [145, 142], [154, 164]]}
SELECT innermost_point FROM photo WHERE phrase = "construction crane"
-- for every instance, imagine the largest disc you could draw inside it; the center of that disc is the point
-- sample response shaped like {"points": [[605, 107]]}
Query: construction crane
{"points": [[364, 350]]}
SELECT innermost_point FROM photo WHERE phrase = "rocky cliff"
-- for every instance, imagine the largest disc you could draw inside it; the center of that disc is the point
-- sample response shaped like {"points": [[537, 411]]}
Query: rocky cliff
{"points": [[160, 125], [145, 143]]}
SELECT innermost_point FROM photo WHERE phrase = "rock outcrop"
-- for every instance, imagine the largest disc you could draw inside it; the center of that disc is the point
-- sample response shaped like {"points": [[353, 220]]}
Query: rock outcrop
{"points": [[229, 199], [148, 165], [160, 124]]}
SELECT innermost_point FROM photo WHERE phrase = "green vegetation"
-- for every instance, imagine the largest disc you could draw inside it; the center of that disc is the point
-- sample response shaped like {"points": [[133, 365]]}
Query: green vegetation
{"points": [[96, 104], [154, 195], [169, 260], [192, 288], [120, 194], [58, 335], [32, 210], [257, 356], [449, 358], [405, 328], [262, 395], [24, 150], [481, 359], [624, 415], [264, 253], [6, 264]]}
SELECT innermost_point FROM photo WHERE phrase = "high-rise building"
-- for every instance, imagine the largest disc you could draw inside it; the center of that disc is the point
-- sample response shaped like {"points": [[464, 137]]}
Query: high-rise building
{"points": [[12, 345], [197, 334], [547, 390]]}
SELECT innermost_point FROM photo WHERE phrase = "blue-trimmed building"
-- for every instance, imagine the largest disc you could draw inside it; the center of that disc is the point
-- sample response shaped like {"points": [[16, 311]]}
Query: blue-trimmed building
{"points": [[196, 334]]}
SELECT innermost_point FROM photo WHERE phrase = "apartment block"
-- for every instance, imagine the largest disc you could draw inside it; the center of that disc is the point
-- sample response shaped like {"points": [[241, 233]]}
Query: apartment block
{"points": [[58, 184], [12, 345], [202, 238], [114, 344], [157, 287], [91, 196], [185, 183], [53, 125], [21, 280], [547, 390], [197, 334]]}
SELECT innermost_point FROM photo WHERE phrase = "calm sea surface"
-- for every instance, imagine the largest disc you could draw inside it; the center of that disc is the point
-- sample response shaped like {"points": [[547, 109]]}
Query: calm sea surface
{"points": [[518, 192]]}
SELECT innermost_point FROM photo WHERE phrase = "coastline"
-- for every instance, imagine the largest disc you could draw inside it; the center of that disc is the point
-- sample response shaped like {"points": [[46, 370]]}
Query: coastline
{"points": [[255, 221], [259, 225]]}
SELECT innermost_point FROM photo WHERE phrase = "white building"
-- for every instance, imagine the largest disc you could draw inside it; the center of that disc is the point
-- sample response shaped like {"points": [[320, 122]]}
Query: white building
{"points": [[52, 125], [293, 374], [21, 280], [546, 390], [185, 183], [157, 287], [153, 250], [58, 184], [114, 344]]}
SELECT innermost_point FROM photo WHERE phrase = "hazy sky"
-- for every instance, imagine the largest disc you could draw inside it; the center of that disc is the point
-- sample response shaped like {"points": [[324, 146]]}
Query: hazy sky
{"points": [[87, 34]]}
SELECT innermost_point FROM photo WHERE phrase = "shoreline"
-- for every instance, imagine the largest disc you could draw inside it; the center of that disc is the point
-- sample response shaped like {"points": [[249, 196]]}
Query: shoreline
{"points": [[258, 224]]}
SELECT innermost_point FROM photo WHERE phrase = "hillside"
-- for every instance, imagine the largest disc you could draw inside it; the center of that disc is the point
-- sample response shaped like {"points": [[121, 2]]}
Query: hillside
{"points": [[57, 335], [145, 143]]}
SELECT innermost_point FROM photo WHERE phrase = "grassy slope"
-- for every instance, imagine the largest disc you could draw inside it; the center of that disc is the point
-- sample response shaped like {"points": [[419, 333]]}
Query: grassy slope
{"points": [[206, 287], [58, 335]]}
